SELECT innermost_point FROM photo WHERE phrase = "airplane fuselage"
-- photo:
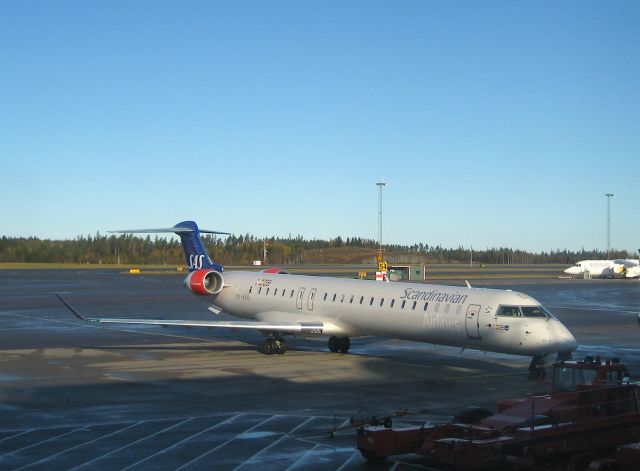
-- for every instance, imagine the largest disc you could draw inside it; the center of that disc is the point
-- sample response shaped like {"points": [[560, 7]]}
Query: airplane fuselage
{"points": [[601, 268], [477, 318]]}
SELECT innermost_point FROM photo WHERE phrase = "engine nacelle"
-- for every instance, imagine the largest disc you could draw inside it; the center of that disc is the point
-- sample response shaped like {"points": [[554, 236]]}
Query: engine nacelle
{"points": [[204, 282]]}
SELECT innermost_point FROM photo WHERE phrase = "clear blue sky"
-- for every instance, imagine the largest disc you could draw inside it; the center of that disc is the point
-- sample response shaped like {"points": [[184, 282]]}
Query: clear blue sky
{"points": [[496, 123]]}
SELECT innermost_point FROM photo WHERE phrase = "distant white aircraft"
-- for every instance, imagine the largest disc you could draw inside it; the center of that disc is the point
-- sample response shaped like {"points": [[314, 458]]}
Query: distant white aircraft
{"points": [[601, 268], [277, 304]]}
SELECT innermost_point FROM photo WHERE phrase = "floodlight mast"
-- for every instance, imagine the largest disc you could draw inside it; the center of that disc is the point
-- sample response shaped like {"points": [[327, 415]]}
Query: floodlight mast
{"points": [[609, 196], [380, 185]]}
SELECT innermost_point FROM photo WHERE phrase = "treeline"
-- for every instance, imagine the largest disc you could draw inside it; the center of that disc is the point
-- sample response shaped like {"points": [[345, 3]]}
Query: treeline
{"points": [[243, 249]]}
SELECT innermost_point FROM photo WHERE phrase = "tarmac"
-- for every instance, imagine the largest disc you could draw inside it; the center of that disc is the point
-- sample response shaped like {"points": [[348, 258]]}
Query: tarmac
{"points": [[81, 396]]}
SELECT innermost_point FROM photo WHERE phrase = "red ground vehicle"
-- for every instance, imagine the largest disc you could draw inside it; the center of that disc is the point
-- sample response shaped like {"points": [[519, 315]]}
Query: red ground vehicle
{"points": [[589, 412]]}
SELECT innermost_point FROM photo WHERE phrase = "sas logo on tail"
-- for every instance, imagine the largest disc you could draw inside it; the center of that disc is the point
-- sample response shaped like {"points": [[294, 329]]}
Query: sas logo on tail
{"points": [[196, 261]]}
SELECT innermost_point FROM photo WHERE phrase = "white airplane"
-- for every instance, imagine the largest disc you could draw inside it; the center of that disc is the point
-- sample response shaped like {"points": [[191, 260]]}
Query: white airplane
{"points": [[278, 304], [601, 268]]}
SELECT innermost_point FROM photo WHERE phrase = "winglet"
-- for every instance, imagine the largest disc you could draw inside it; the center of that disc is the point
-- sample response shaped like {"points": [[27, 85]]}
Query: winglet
{"points": [[71, 308]]}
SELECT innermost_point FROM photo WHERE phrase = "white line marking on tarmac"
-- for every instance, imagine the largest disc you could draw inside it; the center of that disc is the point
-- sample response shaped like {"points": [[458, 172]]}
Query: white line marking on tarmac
{"points": [[18, 434], [625, 310], [286, 435], [164, 450], [129, 444], [78, 446], [45, 441], [93, 326], [303, 457], [353, 455], [197, 458]]}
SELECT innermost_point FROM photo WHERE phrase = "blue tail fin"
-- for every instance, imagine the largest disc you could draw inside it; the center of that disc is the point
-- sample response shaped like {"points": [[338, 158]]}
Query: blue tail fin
{"points": [[195, 253]]}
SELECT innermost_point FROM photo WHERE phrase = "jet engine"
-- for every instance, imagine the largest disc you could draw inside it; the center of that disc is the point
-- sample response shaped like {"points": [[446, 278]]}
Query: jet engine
{"points": [[204, 282]]}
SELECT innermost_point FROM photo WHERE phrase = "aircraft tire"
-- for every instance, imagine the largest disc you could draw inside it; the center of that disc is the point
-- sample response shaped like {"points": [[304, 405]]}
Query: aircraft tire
{"points": [[344, 344], [269, 347], [334, 344], [280, 346]]}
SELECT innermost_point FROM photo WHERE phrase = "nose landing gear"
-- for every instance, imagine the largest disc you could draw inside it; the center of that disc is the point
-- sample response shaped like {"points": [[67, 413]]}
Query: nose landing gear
{"points": [[275, 345], [537, 370]]}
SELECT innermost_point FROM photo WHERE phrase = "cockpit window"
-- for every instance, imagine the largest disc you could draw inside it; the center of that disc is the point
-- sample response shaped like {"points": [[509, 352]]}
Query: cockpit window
{"points": [[520, 311], [510, 311], [533, 311]]}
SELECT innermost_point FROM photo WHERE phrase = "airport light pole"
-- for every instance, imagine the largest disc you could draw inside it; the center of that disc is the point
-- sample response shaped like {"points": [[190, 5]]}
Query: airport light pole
{"points": [[380, 185], [609, 196]]}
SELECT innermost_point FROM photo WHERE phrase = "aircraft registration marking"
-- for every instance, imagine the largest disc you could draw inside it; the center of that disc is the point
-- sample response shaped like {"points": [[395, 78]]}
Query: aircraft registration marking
{"points": [[263, 282]]}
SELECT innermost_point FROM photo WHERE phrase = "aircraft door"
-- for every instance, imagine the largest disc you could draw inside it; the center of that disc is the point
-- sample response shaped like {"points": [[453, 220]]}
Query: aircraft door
{"points": [[312, 295], [300, 297], [472, 321]]}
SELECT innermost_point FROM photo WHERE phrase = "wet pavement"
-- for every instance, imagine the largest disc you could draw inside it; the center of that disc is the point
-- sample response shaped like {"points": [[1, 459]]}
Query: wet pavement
{"points": [[79, 396]]}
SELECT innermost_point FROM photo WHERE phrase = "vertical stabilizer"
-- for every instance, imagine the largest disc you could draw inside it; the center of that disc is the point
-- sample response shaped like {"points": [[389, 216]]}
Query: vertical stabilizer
{"points": [[195, 253]]}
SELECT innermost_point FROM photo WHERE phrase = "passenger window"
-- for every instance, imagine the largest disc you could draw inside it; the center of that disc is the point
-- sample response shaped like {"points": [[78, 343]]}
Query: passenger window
{"points": [[334, 297], [291, 294], [325, 296], [381, 302], [260, 290], [414, 305], [342, 298], [351, 299], [371, 302], [458, 309], [283, 292], [446, 308], [393, 301], [250, 288], [275, 291], [267, 292], [403, 303], [426, 305], [437, 307], [361, 299]]}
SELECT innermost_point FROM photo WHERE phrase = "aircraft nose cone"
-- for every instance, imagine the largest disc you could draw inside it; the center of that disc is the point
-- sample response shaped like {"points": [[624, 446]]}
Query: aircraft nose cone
{"points": [[563, 339]]}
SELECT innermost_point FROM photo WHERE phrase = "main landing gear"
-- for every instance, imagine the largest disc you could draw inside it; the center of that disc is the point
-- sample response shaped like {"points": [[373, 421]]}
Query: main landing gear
{"points": [[339, 344], [275, 345]]}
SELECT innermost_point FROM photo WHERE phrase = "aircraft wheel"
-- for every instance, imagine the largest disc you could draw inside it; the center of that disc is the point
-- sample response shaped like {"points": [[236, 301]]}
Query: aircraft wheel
{"points": [[334, 344], [280, 346], [537, 370], [345, 343], [269, 347]]}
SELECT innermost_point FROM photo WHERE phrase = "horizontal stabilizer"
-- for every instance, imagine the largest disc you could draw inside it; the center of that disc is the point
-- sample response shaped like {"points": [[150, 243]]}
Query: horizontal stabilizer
{"points": [[159, 230]]}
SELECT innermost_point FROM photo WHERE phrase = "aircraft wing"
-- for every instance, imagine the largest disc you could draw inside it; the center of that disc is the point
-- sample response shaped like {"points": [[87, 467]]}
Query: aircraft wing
{"points": [[284, 327], [290, 328]]}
